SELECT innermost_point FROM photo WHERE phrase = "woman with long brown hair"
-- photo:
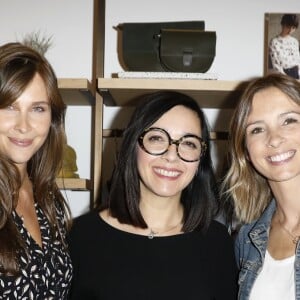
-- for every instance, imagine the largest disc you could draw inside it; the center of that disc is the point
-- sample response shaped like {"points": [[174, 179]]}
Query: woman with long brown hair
{"points": [[34, 262]]}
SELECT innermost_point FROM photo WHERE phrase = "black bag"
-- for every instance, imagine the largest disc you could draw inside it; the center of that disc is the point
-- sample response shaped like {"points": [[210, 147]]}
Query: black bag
{"points": [[187, 50], [169, 46]]}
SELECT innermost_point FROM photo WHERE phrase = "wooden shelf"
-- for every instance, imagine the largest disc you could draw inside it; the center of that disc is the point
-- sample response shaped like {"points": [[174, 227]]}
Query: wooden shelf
{"points": [[216, 94], [209, 93], [76, 91], [77, 184], [74, 83]]}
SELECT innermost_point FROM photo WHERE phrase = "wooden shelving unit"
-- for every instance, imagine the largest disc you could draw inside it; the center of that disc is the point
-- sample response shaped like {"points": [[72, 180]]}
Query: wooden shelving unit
{"points": [[75, 184], [214, 94], [122, 92], [209, 93], [77, 92]]}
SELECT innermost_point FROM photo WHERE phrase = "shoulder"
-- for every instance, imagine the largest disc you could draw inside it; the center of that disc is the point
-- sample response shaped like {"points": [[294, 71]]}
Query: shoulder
{"points": [[85, 220], [217, 233], [84, 225], [243, 235], [292, 38], [246, 228], [217, 228], [219, 244], [260, 225], [243, 242], [275, 39]]}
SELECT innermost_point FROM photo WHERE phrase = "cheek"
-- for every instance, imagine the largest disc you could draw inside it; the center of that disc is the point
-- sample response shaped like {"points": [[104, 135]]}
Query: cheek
{"points": [[44, 125], [252, 147], [142, 158], [249, 153], [255, 151], [7, 122], [192, 170]]}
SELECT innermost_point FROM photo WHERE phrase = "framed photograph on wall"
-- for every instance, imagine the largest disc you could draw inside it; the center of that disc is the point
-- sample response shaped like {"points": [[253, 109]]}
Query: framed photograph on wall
{"points": [[281, 46]]}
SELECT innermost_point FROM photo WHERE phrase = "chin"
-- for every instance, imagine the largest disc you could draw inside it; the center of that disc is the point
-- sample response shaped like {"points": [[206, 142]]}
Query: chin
{"points": [[167, 194]]}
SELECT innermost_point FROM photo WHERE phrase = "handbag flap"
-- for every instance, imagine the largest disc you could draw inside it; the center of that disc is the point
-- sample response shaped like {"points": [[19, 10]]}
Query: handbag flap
{"points": [[138, 43], [187, 50]]}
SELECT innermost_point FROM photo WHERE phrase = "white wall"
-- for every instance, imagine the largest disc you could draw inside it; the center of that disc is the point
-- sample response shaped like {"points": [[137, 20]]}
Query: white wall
{"points": [[239, 25], [239, 55], [70, 23]]}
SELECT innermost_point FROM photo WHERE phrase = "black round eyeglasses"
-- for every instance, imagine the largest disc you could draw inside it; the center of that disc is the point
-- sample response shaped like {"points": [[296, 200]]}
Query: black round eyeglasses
{"points": [[156, 141]]}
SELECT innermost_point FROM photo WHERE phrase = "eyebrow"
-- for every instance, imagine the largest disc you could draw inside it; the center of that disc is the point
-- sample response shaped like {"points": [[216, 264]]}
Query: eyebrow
{"points": [[42, 101], [184, 134], [280, 116], [289, 112]]}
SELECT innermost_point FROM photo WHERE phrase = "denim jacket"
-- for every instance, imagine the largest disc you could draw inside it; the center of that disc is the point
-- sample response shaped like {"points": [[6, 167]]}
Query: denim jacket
{"points": [[250, 249]]}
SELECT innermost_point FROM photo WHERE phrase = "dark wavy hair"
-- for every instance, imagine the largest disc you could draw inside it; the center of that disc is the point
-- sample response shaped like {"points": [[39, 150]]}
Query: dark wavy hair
{"points": [[290, 20], [199, 198], [18, 66]]}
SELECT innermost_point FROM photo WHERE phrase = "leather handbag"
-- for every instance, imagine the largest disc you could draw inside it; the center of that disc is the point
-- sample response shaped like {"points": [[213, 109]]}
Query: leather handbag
{"points": [[169, 46], [187, 50]]}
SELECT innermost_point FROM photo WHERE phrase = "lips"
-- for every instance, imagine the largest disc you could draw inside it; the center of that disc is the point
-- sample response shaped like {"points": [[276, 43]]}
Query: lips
{"points": [[167, 173], [21, 142], [282, 157]]}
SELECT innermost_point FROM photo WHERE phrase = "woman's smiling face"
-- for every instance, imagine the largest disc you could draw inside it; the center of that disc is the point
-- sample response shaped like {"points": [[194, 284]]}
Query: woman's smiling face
{"points": [[24, 125], [273, 135], [167, 175]]}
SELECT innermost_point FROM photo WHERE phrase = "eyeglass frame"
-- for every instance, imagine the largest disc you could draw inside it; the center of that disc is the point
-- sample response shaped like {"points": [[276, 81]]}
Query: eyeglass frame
{"points": [[171, 142]]}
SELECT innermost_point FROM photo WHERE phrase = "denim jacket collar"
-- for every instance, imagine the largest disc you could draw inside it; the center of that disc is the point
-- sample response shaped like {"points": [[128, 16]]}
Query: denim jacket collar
{"points": [[260, 231], [253, 241]]}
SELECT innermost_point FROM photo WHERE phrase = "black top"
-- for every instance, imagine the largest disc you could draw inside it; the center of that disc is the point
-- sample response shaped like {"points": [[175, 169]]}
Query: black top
{"points": [[110, 264], [46, 273]]}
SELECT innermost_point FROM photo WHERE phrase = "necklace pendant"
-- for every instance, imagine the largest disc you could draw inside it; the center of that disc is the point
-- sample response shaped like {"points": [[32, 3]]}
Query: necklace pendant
{"points": [[151, 234]]}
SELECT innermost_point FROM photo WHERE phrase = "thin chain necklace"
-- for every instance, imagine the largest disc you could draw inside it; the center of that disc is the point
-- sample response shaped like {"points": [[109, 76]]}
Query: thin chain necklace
{"points": [[295, 238], [153, 233]]}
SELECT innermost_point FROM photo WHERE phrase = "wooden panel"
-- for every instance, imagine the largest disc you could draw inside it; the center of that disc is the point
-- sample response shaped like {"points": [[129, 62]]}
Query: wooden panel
{"points": [[208, 93], [214, 135], [73, 184]]}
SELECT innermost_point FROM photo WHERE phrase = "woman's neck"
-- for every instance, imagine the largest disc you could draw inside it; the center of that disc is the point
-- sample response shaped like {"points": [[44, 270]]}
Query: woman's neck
{"points": [[287, 198], [161, 212]]}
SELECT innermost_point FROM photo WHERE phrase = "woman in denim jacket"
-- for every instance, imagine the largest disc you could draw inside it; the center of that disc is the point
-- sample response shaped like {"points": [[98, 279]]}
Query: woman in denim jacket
{"points": [[263, 182]]}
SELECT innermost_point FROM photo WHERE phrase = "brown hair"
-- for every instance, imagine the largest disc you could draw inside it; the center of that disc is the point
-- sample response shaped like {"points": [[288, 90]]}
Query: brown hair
{"points": [[18, 65], [248, 189], [290, 20]]}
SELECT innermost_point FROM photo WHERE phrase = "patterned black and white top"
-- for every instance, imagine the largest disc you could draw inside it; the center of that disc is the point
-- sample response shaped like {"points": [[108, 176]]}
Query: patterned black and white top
{"points": [[46, 274], [284, 53]]}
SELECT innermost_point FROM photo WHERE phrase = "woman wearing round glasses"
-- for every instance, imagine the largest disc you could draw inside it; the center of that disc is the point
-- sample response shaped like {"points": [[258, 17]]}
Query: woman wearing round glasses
{"points": [[154, 237]]}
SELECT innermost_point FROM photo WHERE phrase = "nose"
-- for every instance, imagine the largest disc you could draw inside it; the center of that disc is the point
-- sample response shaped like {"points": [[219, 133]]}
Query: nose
{"points": [[22, 122], [275, 139], [171, 153]]}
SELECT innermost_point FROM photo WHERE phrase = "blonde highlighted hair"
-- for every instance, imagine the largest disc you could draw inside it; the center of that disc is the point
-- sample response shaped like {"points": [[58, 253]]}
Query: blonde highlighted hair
{"points": [[243, 185]]}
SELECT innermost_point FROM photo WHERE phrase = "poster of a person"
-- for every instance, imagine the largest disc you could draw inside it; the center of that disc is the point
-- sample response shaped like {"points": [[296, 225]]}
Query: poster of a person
{"points": [[283, 44]]}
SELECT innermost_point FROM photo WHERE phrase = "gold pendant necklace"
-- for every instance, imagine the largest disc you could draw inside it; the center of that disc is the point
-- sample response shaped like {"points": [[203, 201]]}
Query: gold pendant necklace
{"points": [[153, 233], [295, 238]]}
